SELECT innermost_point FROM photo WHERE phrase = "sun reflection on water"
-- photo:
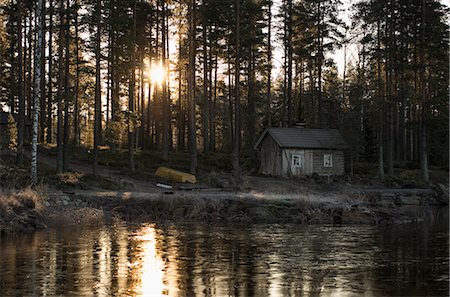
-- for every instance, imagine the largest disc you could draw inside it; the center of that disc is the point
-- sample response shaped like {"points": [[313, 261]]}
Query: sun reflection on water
{"points": [[189, 260], [149, 265]]}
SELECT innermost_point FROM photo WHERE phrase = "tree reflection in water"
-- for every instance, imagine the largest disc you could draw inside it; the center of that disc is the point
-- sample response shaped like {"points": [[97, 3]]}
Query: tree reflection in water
{"points": [[208, 260]]}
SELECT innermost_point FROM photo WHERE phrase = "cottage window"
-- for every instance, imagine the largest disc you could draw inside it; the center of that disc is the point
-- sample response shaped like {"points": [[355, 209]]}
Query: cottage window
{"points": [[327, 160], [297, 161]]}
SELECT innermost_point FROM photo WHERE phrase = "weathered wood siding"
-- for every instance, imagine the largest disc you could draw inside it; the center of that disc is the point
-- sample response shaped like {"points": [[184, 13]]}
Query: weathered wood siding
{"points": [[313, 162], [289, 170], [270, 157], [338, 162], [278, 162]]}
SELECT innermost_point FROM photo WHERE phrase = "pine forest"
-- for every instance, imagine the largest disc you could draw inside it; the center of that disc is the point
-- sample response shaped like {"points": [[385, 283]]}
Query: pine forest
{"points": [[206, 77]]}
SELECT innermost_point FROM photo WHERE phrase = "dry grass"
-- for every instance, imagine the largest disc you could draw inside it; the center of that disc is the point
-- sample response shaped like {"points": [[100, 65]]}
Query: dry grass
{"points": [[27, 198], [21, 211], [84, 181], [242, 208], [74, 216]]}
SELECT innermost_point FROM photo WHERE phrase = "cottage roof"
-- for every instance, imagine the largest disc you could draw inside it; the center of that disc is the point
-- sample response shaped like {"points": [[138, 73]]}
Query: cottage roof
{"points": [[305, 138]]}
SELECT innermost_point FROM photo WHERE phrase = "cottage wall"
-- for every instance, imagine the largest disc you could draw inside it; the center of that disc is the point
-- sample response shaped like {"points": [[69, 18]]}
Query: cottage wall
{"points": [[313, 162], [337, 159], [270, 157], [278, 162], [289, 170]]}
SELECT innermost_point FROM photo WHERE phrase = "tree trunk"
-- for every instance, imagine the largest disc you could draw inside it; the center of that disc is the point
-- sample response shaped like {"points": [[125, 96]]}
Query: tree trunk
{"points": [[230, 98], [214, 108], [59, 136], [141, 97], [21, 120], [191, 83], [157, 104], [108, 83], [319, 66], [149, 101], [206, 98], [380, 106], [97, 100], [29, 75], [268, 112], [50, 78], [165, 100], [300, 92], [167, 84], [180, 114], [131, 95], [389, 100], [41, 15], [114, 76], [237, 100], [76, 116], [289, 66], [251, 108], [66, 91], [424, 107], [14, 63], [39, 77]]}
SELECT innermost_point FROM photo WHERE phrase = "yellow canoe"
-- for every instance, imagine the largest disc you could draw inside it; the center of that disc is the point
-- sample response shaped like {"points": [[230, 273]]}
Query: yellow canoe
{"points": [[175, 175]]}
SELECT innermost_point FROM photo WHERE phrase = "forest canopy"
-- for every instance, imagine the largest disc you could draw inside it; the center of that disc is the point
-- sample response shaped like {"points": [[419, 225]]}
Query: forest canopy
{"points": [[210, 75]]}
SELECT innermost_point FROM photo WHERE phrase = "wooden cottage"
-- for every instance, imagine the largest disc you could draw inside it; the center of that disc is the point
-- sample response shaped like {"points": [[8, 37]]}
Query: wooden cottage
{"points": [[299, 151]]}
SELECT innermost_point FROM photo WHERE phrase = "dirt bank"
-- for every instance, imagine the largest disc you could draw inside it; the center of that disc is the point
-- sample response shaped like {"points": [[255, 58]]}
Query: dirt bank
{"points": [[21, 211], [28, 210], [252, 207]]}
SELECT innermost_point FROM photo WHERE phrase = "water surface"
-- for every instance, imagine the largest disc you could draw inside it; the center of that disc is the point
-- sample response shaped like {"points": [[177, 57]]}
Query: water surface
{"points": [[229, 260]]}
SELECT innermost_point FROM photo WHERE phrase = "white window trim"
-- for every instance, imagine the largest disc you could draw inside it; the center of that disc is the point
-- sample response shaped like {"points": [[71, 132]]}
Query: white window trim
{"points": [[293, 157], [330, 158]]}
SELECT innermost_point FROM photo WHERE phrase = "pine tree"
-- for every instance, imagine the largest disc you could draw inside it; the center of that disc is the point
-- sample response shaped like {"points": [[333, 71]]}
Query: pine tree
{"points": [[97, 100]]}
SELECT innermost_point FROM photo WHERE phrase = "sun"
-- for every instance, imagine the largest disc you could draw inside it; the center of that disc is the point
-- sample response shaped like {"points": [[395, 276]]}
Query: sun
{"points": [[157, 73]]}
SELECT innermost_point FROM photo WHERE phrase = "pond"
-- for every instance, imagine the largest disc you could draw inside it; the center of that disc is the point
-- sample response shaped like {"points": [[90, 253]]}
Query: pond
{"points": [[229, 260]]}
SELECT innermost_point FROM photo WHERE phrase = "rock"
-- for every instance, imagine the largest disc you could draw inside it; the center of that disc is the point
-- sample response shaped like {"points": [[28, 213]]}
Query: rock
{"points": [[46, 203], [64, 197], [386, 199], [65, 202], [410, 200], [443, 194], [260, 214]]}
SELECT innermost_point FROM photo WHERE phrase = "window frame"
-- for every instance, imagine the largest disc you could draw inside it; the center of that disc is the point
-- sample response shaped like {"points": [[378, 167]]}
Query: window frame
{"points": [[298, 157], [328, 157]]}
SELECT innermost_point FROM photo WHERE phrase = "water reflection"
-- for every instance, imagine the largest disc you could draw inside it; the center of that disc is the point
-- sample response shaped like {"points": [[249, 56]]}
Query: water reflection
{"points": [[258, 260], [148, 265]]}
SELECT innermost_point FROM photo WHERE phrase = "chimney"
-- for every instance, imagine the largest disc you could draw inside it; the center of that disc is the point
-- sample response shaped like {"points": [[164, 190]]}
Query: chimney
{"points": [[300, 125]]}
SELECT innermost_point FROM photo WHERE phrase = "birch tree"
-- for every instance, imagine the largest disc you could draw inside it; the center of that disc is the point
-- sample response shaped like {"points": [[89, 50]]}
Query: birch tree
{"points": [[37, 88]]}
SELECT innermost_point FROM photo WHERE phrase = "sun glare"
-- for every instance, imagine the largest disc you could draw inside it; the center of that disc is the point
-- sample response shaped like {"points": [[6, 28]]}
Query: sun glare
{"points": [[157, 73]]}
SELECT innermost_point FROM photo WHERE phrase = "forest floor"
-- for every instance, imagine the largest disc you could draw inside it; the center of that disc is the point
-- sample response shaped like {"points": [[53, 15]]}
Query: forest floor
{"points": [[78, 197]]}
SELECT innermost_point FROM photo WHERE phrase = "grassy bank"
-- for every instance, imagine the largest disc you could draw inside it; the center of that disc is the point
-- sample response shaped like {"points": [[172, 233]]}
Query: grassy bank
{"points": [[28, 211], [58, 198], [256, 208], [21, 211]]}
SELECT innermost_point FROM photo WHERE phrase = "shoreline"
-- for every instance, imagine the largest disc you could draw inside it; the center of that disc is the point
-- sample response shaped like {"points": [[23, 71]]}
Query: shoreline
{"points": [[29, 211]]}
